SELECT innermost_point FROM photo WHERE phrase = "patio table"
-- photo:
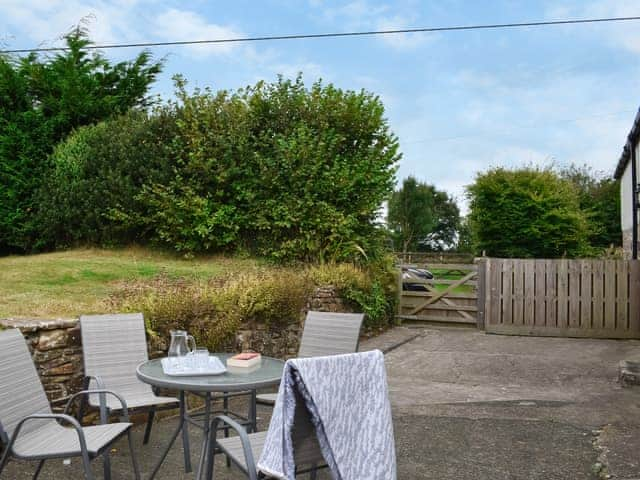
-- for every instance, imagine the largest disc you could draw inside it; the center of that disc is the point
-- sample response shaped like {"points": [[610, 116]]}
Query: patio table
{"points": [[267, 374]]}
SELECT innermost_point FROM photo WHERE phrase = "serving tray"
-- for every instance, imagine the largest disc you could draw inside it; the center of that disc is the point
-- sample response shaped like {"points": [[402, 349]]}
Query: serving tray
{"points": [[183, 367]]}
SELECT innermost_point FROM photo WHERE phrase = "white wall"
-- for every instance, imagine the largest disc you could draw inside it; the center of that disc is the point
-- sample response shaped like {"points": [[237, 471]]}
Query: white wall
{"points": [[626, 190]]}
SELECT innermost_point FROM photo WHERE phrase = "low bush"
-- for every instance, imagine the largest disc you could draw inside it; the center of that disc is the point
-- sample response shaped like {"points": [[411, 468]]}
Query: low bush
{"points": [[197, 308], [370, 290], [213, 312]]}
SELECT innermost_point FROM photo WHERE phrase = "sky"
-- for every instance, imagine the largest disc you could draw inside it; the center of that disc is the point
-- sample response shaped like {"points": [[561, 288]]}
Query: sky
{"points": [[459, 102]]}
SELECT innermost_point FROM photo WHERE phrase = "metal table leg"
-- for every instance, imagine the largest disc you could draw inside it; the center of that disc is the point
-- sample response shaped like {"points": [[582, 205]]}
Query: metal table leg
{"points": [[180, 427], [253, 412], [205, 438], [207, 450], [185, 433]]}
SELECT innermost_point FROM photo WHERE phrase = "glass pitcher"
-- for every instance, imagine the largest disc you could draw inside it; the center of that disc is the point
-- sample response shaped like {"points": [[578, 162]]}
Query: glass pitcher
{"points": [[180, 341]]}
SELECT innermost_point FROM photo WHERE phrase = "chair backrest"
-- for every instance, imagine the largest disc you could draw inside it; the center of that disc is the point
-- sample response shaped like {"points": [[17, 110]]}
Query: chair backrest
{"points": [[346, 398], [327, 333], [113, 346], [21, 391]]}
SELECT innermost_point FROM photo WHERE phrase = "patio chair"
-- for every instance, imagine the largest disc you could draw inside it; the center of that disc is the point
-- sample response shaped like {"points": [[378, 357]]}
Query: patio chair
{"points": [[113, 346], [28, 428], [331, 411], [325, 333]]}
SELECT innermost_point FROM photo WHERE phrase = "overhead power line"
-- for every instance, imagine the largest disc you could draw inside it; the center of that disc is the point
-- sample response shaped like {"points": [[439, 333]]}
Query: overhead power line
{"points": [[522, 127], [334, 34]]}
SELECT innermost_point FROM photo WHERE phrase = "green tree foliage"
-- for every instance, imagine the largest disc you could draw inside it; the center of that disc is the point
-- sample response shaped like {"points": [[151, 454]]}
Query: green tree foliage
{"points": [[90, 194], [464, 241], [422, 217], [599, 197], [278, 169], [41, 100], [525, 213]]}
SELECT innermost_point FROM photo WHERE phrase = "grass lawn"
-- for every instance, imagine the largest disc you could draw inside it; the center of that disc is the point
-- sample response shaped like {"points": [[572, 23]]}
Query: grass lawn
{"points": [[448, 275], [66, 284]]}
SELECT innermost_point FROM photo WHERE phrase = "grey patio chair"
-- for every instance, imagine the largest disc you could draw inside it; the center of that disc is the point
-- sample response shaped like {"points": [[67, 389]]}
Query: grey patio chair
{"points": [[244, 449], [325, 333], [113, 346], [28, 428], [345, 397]]}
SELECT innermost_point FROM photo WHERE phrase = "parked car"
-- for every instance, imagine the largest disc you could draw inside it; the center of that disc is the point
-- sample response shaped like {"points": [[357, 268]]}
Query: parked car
{"points": [[413, 279]]}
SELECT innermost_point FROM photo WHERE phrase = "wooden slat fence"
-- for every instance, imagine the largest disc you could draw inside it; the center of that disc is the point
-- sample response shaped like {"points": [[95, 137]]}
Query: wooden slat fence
{"points": [[445, 300], [569, 298]]}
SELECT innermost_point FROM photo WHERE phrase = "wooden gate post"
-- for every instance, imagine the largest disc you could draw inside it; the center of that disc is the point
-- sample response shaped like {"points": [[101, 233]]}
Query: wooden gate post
{"points": [[399, 319], [483, 264]]}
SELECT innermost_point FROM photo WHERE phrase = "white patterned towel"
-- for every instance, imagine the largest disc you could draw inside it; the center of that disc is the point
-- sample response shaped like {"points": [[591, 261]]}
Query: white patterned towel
{"points": [[347, 399]]}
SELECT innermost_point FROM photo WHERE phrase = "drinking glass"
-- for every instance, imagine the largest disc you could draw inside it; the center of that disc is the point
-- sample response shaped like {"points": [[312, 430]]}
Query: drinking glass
{"points": [[201, 358]]}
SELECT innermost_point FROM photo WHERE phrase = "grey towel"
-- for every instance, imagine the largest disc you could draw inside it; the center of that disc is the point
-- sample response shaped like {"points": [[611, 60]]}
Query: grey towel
{"points": [[346, 397]]}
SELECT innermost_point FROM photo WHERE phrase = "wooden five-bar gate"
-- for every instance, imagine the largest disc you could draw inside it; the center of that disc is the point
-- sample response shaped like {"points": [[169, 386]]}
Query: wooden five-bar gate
{"points": [[566, 298], [443, 300]]}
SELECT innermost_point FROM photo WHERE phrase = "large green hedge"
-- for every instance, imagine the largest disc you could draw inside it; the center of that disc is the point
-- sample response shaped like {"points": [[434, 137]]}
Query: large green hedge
{"points": [[97, 173], [527, 212], [42, 99], [276, 169]]}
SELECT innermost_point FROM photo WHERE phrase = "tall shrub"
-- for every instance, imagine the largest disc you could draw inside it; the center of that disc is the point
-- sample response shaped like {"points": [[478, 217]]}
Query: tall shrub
{"points": [[42, 99], [280, 170], [527, 212], [91, 192], [277, 169], [599, 197], [326, 160]]}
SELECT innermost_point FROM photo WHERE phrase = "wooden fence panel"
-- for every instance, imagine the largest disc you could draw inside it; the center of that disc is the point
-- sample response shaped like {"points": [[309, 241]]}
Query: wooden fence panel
{"points": [[598, 293], [634, 297], [506, 291], [563, 294], [551, 296], [574, 298], [586, 298], [540, 314], [518, 292], [610, 295]]}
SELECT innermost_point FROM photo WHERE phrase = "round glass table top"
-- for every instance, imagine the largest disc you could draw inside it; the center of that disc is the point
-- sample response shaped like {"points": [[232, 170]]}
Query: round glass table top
{"points": [[267, 374]]}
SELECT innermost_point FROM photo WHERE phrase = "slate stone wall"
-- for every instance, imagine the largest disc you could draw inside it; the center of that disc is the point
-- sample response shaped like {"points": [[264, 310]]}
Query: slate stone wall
{"points": [[56, 344]]}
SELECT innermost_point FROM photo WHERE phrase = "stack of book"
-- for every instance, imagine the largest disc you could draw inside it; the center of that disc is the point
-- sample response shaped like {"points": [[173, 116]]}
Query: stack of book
{"points": [[242, 362]]}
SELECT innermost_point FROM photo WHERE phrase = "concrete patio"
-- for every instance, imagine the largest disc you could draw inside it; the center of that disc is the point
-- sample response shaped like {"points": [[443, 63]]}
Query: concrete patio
{"points": [[472, 406]]}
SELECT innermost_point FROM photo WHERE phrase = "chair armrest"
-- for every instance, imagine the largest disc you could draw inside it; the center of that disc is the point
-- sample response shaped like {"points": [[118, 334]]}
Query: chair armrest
{"points": [[99, 382], [244, 440], [103, 407], [61, 417]]}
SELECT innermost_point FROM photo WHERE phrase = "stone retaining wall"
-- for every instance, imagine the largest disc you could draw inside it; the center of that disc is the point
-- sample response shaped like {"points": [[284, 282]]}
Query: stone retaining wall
{"points": [[56, 344], [57, 353]]}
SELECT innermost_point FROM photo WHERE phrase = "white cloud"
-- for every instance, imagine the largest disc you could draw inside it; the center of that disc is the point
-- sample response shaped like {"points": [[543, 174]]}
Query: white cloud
{"points": [[402, 41], [355, 14], [184, 25], [368, 15], [621, 34], [44, 21]]}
